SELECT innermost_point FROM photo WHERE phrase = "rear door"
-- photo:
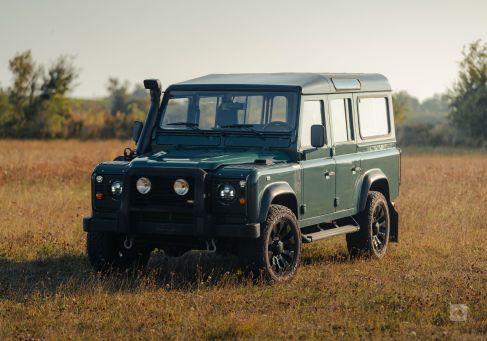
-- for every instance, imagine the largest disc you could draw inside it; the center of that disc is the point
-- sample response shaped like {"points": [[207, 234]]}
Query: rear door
{"points": [[344, 150], [318, 167]]}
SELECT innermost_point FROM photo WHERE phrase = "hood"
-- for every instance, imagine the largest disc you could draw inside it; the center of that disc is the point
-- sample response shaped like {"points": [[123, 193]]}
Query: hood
{"points": [[206, 159]]}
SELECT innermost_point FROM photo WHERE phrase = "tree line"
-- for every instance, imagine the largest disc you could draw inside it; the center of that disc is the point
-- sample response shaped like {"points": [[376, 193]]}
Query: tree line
{"points": [[455, 118], [37, 105]]}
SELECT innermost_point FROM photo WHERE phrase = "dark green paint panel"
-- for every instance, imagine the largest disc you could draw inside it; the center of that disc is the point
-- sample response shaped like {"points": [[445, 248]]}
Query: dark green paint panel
{"points": [[208, 159], [387, 160], [190, 140], [326, 182], [246, 141], [318, 187], [348, 173]]}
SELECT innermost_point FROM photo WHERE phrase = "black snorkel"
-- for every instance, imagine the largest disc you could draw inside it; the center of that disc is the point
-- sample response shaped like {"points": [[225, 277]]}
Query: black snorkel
{"points": [[143, 143]]}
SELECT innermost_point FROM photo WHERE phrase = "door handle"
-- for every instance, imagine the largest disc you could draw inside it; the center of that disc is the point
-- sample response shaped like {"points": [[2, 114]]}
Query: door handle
{"points": [[327, 174], [356, 169]]}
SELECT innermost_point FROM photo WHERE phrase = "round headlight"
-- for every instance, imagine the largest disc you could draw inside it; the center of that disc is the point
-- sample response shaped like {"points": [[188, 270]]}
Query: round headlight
{"points": [[143, 185], [226, 192], [116, 188], [181, 187]]}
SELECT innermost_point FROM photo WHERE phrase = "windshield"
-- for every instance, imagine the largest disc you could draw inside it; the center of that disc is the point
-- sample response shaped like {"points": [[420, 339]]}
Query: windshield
{"points": [[227, 110]]}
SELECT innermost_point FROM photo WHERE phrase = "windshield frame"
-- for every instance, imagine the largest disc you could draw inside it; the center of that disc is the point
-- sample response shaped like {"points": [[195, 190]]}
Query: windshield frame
{"points": [[290, 93]]}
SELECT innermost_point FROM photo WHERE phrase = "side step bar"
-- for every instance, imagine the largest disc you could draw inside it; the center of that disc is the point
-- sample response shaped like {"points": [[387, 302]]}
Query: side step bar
{"points": [[308, 238]]}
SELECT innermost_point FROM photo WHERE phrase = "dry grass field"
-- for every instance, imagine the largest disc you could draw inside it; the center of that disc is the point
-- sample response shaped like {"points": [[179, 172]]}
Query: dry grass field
{"points": [[48, 291]]}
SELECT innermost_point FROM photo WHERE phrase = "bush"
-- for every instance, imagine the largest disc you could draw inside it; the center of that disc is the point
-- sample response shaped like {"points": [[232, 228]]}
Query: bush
{"points": [[435, 135]]}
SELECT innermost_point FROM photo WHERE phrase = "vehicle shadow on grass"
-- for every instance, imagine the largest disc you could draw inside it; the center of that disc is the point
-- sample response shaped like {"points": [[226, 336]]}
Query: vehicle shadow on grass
{"points": [[22, 279], [196, 269], [324, 258], [72, 274]]}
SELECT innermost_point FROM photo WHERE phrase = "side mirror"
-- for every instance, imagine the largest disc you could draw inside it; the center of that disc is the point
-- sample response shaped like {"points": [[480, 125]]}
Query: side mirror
{"points": [[136, 130], [317, 135]]}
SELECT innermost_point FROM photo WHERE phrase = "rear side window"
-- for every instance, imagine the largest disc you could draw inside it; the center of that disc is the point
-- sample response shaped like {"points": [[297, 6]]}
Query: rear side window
{"points": [[373, 113], [341, 119], [312, 114]]}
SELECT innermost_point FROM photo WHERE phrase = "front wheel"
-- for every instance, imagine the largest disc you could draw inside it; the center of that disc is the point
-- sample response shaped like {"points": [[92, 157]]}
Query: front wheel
{"points": [[106, 253], [276, 254], [373, 238]]}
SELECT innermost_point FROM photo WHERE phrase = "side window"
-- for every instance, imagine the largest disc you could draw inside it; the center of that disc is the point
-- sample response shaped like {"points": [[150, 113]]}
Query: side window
{"points": [[373, 116], [341, 120], [312, 113]]}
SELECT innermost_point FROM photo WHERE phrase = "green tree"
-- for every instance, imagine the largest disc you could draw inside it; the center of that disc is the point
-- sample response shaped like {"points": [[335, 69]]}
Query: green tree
{"points": [[403, 104], [468, 96], [59, 79], [436, 104], [7, 115], [119, 96], [23, 92], [140, 99], [53, 110], [126, 102], [37, 105]]}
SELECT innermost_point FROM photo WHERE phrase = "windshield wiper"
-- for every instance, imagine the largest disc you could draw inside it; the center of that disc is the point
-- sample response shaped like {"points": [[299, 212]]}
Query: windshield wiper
{"points": [[238, 125], [186, 124], [192, 125], [249, 127]]}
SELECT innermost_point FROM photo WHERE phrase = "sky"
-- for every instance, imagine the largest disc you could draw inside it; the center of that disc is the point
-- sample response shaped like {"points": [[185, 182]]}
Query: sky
{"points": [[416, 44]]}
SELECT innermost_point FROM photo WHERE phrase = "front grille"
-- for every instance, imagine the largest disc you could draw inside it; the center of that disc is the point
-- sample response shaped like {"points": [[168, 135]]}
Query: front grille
{"points": [[162, 217], [162, 192], [161, 206]]}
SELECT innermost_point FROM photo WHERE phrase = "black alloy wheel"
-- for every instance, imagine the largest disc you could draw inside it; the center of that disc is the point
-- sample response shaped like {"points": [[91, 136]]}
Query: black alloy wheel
{"points": [[276, 254], [282, 247], [373, 237]]}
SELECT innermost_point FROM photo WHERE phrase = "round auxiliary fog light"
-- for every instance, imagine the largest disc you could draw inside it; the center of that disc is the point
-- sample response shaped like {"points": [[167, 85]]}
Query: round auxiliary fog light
{"points": [[226, 193], [116, 188], [143, 185], [181, 187]]}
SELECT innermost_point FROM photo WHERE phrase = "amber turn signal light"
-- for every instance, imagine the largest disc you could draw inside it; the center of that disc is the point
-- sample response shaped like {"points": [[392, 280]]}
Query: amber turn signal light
{"points": [[242, 201], [99, 196]]}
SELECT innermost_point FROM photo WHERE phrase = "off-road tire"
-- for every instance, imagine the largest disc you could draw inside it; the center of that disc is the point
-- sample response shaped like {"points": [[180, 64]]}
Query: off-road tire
{"points": [[276, 254], [106, 253], [372, 239]]}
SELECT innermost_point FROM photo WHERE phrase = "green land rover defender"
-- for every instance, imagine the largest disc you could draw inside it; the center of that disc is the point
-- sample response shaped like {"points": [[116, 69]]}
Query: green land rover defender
{"points": [[252, 164]]}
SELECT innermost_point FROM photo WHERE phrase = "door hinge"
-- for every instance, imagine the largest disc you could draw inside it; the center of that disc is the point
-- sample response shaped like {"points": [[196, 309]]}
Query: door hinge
{"points": [[336, 202], [303, 209]]}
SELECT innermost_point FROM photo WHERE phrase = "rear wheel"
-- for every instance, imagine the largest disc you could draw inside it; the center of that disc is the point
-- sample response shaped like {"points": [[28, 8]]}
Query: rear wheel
{"points": [[276, 254], [373, 237], [106, 252]]}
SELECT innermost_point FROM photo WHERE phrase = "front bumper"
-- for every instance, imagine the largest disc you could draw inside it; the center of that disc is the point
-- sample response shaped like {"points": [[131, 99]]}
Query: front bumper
{"points": [[141, 217], [200, 228]]}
